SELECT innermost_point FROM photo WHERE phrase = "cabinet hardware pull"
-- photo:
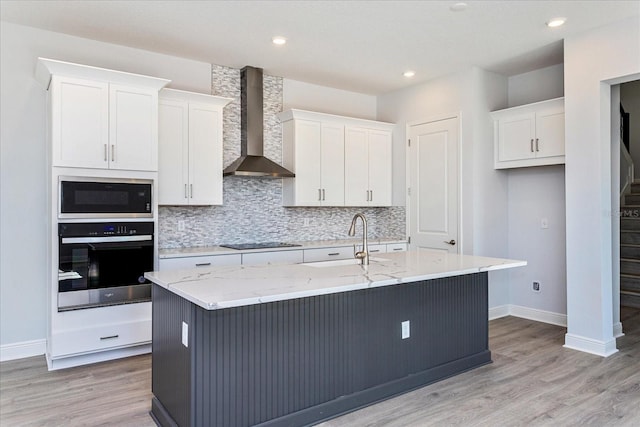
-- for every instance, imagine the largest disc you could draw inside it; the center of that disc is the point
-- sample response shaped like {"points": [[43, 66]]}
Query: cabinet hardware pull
{"points": [[450, 242], [323, 194], [113, 152], [110, 337], [374, 250], [105, 152], [537, 145], [371, 196], [532, 145], [191, 190], [186, 196], [397, 249], [319, 194], [203, 264], [334, 253]]}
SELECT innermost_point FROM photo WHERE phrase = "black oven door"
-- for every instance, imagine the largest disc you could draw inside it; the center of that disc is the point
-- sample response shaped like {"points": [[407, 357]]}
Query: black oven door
{"points": [[100, 271]]}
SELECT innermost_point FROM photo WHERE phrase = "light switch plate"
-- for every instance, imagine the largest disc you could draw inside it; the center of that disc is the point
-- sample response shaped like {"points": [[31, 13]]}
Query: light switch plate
{"points": [[185, 334]]}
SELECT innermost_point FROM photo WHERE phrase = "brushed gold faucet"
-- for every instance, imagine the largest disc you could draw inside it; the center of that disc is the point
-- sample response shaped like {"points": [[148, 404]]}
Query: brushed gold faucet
{"points": [[362, 255]]}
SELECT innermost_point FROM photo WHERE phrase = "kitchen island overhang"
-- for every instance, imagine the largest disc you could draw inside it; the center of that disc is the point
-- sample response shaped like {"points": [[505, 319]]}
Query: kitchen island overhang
{"points": [[295, 345]]}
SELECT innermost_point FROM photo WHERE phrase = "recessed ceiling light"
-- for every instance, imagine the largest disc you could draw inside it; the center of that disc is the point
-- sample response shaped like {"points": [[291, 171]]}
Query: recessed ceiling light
{"points": [[409, 73], [458, 7], [279, 40], [556, 22]]}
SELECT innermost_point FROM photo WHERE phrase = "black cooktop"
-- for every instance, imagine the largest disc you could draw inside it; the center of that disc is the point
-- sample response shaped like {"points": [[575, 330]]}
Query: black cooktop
{"points": [[264, 245]]}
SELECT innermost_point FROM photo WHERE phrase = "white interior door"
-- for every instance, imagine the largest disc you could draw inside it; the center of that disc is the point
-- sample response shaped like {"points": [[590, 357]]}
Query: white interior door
{"points": [[433, 186]]}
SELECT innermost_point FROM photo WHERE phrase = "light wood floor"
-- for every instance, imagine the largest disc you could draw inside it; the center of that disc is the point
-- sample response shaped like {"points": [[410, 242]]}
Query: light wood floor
{"points": [[533, 381]]}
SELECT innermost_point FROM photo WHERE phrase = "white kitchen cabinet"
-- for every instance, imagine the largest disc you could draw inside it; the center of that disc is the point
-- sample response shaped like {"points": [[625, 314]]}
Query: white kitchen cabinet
{"points": [[101, 119], [79, 122], [190, 148], [133, 128], [188, 262], [338, 160], [367, 160], [529, 135], [328, 254], [275, 257], [396, 247], [314, 151], [78, 337]]}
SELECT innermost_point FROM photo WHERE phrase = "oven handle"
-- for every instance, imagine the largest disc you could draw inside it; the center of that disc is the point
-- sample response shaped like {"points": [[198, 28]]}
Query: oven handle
{"points": [[114, 239]]}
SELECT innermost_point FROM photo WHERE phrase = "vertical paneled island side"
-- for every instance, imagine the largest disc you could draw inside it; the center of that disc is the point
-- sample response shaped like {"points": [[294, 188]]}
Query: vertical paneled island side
{"points": [[277, 345]]}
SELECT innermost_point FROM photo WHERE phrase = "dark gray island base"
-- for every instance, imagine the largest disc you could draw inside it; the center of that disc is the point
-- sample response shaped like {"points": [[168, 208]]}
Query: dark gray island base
{"points": [[301, 361]]}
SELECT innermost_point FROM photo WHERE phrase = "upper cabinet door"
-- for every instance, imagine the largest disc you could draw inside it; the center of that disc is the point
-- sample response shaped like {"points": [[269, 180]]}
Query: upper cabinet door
{"points": [[133, 132], [517, 137], [550, 132], [173, 152], [307, 185], [79, 122], [380, 168], [205, 155], [332, 164], [356, 167]]}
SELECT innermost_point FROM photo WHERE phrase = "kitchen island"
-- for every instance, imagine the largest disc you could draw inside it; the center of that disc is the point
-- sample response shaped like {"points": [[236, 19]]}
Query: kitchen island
{"points": [[278, 345]]}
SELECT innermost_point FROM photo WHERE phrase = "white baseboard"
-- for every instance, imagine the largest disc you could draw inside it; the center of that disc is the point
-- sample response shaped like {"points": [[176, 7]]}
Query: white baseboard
{"points": [[538, 315], [498, 312], [22, 349], [588, 345], [617, 330], [528, 313]]}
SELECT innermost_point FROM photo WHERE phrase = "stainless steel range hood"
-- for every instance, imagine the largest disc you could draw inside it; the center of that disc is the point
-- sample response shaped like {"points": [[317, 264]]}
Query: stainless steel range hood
{"points": [[252, 161]]}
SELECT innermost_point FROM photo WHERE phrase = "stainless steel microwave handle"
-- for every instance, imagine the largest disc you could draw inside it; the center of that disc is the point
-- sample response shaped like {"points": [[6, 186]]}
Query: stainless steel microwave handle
{"points": [[140, 238]]}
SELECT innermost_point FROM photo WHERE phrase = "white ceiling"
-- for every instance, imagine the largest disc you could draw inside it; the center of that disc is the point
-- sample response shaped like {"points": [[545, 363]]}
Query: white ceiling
{"points": [[362, 46]]}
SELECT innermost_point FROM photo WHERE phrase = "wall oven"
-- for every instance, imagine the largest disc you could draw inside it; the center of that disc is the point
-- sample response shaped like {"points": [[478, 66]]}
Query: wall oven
{"points": [[82, 197], [103, 263]]}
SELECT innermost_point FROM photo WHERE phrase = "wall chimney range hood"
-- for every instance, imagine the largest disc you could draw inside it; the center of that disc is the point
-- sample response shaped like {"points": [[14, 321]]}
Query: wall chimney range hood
{"points": [[252, 162]]}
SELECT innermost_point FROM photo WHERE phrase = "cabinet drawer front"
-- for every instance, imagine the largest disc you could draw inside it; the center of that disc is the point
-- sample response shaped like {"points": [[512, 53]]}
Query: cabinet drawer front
{"points": [[100, 338], [327, 254], [396, 247], [279, 257], [199, 261], [373, 249]]}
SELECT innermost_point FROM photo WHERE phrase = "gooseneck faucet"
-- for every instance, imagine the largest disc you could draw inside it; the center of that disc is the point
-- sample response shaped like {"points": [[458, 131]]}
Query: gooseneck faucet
{"points": [[362, 255]]}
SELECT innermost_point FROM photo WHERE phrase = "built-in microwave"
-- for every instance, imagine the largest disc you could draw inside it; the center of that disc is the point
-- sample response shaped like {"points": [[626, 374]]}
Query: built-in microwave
{"points": [[88, 197]]}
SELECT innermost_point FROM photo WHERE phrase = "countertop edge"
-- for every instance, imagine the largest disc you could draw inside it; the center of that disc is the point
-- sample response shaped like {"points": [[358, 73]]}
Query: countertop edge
{"points": [[198, 251], [501, 264]]}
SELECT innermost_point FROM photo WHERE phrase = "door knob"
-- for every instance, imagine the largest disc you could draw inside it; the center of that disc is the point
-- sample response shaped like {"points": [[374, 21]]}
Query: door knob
{"points": [[450, 242]]}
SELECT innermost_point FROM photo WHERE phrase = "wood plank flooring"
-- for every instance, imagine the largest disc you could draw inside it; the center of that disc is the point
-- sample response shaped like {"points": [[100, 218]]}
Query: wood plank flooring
{"points": [[533, 381]]}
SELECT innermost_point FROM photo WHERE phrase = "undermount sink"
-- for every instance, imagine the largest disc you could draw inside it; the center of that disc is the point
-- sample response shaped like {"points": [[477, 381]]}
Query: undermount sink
{"points": [[341, 262]]}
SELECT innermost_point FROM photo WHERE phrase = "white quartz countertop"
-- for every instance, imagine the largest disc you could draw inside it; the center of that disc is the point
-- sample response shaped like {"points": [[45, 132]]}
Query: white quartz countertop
{"points": [[219, 250], [215, 288]]}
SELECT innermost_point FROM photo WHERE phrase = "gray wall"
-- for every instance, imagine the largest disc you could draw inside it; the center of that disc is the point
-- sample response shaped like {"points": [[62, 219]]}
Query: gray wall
{"points": [[471, 94], [533, 194], [592, 62]]}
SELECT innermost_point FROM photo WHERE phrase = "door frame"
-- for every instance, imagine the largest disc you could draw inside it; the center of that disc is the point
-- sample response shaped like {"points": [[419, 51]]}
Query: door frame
{"points": [[427, 120]]}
